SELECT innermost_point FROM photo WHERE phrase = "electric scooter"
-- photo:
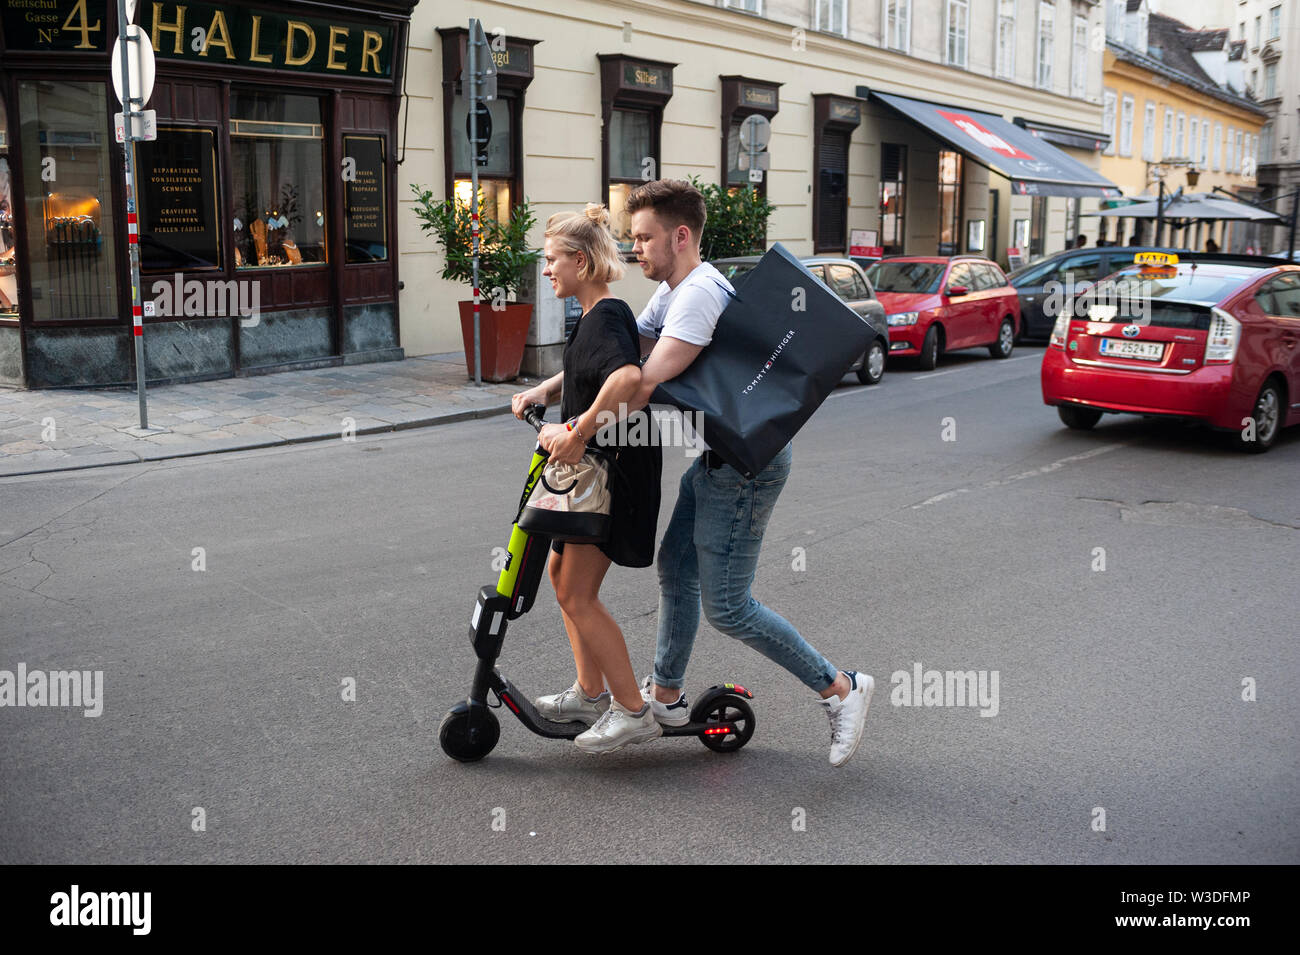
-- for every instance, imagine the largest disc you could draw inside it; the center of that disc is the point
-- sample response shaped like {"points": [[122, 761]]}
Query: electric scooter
{"points": [[721, 719]]}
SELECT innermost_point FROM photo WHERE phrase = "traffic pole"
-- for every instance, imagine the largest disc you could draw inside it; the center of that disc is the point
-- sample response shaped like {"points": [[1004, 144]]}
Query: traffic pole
{"points": [[472, 44], [132, 222]]}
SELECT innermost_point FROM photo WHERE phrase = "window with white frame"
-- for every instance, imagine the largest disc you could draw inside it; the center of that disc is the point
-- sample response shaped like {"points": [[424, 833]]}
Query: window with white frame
{"points": [[1193, 129], [1079, 59], [1266, 143], [1180, 137], [1229, 158], [749, 6], [1203, 153], [1115, 20], [1240, 155], [1167, 144], [1270, 80], [1006, 52], [1248, 156], [958, 29], [898, 24], [1126, 126], [1275, 22], [1108, 119], [831, 16], [1046, 28], [1149, 132], [1218, 147], [1259, 26]]}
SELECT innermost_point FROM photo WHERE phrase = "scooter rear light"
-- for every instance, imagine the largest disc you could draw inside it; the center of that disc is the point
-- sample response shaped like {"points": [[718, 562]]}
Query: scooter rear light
{"points": [[718, 731]]}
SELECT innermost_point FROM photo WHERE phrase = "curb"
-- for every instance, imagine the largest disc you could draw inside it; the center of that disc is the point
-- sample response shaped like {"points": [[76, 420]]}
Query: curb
{"points": [[256, 445]]}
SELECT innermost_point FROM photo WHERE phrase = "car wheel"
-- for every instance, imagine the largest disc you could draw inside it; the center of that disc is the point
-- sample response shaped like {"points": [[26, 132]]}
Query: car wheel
{"points": [[873, 364], [1258, 435], [1006, 340], [1078, 418], [930, 349]]}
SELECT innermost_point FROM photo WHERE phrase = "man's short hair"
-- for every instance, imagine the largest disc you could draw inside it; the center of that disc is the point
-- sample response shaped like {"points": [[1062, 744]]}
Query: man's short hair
{"points": [[675, 201]]}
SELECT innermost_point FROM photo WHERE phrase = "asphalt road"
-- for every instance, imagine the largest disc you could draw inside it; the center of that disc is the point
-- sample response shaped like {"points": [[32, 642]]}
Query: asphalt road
{"points": [[1118, 689]]}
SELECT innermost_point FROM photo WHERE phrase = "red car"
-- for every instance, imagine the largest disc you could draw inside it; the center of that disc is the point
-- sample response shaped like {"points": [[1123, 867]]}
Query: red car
{"points": [[1215, 343], [937, 304]]}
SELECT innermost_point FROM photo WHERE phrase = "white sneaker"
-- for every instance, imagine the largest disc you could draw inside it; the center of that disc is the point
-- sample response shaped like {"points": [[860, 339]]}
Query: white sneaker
{"points": [[848, 716], [668, 714], [572, 706], [617, 727]]}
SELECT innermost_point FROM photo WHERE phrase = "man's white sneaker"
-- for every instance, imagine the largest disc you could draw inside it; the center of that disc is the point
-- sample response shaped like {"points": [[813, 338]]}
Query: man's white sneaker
{"points": [[618, 727], [572, 706], [668, 714], [848, 716]]}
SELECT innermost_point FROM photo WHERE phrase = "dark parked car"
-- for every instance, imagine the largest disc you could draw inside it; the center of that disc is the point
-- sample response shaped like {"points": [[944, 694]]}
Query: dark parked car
{"points": [[1044, 283], [843, 277]]}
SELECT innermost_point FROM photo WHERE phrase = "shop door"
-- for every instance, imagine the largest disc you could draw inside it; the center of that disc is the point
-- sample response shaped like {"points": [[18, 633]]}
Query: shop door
{"points": [[833, 191]]}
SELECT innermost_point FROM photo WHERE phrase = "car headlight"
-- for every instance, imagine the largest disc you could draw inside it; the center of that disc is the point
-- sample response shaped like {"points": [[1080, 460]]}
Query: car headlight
{"points": [[904, 318]]}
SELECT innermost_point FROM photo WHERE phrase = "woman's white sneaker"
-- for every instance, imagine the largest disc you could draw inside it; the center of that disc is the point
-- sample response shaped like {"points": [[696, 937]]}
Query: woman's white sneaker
{"points": [[618, 727], [848, 716], [572, 706]]}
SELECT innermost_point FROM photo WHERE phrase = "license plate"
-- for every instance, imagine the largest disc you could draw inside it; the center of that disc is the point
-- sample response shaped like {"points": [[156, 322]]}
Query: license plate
{"points": [[1119, 348]]}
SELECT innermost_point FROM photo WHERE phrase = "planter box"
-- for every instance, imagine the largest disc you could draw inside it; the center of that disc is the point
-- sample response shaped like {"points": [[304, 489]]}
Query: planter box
{"points": [[502, 332]]}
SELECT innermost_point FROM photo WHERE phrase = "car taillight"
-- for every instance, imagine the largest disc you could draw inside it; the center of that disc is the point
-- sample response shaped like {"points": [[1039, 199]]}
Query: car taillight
{"points": [[1225, 333], [1060, 330]]}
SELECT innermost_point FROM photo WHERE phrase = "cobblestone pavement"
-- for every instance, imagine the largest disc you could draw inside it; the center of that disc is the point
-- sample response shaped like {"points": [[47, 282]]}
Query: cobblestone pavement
{"points": [[55, 430]]}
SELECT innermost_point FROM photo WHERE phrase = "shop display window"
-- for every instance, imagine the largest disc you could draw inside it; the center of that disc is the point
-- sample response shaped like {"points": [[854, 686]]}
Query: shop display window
{"points": [[67, 178], [8, 252], [633, 159], [277, 151]]}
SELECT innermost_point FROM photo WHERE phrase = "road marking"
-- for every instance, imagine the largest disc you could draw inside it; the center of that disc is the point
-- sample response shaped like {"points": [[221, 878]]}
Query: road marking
{"points": [[936, 374], [1035, 472], [1007, 361]]}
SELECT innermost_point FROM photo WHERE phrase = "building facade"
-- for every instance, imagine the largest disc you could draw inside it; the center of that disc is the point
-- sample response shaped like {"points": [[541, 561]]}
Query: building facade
{"points": [[1171, 109]]}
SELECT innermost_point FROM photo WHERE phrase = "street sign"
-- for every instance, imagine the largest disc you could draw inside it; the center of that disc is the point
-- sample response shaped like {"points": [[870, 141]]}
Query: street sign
{"points": [[756, 175], [483, 116], [486, 66], [139, 55], [755, 132], [144, 126], [754, 161]]}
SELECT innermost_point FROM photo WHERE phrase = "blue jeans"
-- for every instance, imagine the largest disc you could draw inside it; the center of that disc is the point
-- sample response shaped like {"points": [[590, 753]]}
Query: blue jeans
{"points": [[711, 549]]}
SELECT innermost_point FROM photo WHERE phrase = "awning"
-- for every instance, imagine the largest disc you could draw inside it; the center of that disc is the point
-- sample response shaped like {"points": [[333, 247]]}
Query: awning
{"points": [[1064, 135], [1035, 167]]}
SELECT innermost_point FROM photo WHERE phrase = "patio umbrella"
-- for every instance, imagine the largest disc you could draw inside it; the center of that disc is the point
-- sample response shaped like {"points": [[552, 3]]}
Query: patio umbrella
{"points": [[1195, 205]]}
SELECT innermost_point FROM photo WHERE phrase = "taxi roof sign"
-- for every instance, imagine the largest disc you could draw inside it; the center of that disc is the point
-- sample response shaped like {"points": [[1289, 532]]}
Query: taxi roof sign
{"points": [[1155, 258]]}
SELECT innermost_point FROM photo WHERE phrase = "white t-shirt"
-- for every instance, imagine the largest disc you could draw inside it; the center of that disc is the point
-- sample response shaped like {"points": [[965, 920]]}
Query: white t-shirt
{"points": [[689, 313]]}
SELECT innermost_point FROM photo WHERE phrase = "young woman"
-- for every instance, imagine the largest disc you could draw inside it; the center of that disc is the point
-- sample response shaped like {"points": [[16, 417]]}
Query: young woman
{"points": [[602, 373]]}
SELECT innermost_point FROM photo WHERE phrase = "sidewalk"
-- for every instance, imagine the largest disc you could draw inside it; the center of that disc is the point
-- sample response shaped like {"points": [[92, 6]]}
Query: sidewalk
{"points": [[238, 413]]}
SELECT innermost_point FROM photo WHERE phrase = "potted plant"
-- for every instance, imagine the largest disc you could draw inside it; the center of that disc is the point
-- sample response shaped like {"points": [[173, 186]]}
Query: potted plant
{"points": [[736, 221], [505, 264]]}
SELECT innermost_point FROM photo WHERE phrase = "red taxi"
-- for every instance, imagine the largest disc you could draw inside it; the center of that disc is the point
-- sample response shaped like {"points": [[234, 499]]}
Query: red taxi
{"points": [[936, 304], [1216, 343]]}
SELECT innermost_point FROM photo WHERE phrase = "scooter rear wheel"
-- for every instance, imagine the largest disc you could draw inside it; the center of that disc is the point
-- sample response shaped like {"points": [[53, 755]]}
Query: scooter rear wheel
{"points": [[726, 709], [465, 742]]}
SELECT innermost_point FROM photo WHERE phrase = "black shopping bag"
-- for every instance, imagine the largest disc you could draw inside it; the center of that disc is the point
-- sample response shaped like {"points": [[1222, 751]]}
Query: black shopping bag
{"points": [[781, 346]]}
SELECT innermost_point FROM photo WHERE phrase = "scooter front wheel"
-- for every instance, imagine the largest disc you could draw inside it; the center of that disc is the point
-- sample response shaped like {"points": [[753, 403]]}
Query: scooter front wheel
{"points": [[725, 709], [468, 732]]}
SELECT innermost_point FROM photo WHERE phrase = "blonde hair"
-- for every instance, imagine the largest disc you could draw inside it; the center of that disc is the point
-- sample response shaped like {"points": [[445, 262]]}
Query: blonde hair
{"points": [[588, 232]]}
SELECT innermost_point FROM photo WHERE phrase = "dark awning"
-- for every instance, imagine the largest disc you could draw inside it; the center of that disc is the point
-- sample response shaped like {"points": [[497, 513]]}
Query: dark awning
{"points": [[1064, 135], [1035, 168]]}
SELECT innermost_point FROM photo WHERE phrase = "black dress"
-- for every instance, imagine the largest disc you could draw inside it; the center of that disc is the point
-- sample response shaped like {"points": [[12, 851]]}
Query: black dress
{"points": [[603, 341]]}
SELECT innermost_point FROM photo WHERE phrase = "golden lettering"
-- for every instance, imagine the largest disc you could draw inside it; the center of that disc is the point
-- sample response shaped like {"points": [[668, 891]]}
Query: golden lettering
{"points": [[336, 47], [85, 29], [253, 55], [218, 28], [297, 26], [501, 58], [370, 53], [177, 29]]}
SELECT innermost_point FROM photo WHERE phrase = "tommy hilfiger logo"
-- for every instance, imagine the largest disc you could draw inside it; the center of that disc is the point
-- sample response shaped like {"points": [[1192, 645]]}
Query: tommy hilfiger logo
{"points": [[767, 366]]}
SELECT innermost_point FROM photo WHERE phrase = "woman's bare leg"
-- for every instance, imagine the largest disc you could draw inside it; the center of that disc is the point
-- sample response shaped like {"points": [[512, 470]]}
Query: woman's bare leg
{"points": [[577, 586], [589, 677]]}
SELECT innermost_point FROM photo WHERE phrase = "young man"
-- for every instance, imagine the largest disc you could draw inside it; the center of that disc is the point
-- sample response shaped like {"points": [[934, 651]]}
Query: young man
{"points": [[710, 550]]}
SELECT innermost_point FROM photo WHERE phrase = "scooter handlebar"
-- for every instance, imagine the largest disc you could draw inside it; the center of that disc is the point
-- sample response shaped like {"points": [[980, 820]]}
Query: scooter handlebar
{"points": [[533, 415]]}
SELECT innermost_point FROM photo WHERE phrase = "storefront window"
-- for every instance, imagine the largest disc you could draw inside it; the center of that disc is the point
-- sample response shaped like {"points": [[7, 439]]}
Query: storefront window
{"points": [[277, 150], [893, 173], [496, 179], [67, 180], [632, 161], [950, 173], [8, 261]]}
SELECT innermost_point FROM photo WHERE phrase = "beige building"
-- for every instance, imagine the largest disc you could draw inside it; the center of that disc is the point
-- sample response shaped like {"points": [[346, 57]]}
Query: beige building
{"points": [[597, 96]]}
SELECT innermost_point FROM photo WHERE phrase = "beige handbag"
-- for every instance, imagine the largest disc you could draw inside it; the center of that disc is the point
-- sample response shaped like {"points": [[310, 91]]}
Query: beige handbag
{"points": [[571, 502]]}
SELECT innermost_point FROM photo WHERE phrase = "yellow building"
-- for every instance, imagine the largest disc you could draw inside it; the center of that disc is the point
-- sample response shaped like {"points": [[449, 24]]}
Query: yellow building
{"points": [[1168, 119]]}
